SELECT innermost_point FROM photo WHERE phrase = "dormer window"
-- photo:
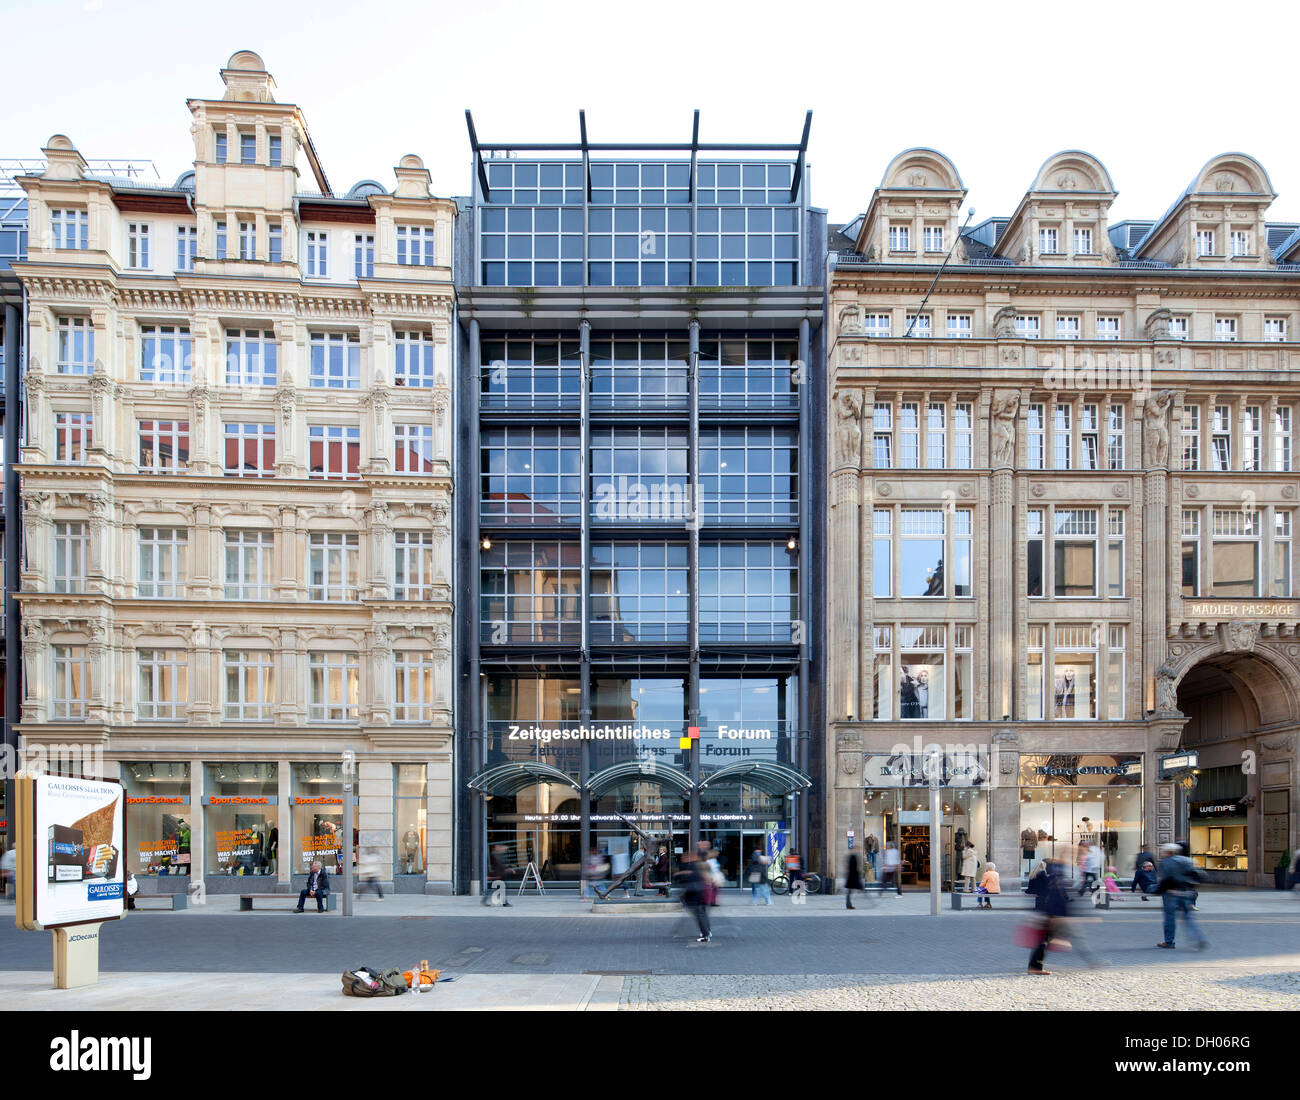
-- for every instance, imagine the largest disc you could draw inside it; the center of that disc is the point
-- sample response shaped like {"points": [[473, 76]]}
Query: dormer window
{"points": [[1239, 241], [415, 245], [1205, 242], [900, 238], [220, 148], [69, 229], [934, 238], [1083, 242], [1047, 241]]}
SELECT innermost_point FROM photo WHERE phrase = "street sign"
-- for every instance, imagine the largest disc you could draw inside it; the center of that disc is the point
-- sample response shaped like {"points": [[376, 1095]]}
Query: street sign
{"points": [[1178, 762]]}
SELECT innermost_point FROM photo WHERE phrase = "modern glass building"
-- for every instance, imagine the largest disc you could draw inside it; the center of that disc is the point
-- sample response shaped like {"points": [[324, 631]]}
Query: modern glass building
{"points": [[641, 374]]}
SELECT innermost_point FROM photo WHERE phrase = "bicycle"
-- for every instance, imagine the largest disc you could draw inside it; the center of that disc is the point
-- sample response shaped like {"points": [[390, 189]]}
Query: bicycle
{"points": [[781, 883]]}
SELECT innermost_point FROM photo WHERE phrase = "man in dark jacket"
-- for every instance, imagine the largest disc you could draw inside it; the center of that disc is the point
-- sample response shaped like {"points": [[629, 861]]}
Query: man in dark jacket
{"points": [[1142, 879], [852, 880], [1177, 889], [318, 887], [661, 870], [693, 882]]}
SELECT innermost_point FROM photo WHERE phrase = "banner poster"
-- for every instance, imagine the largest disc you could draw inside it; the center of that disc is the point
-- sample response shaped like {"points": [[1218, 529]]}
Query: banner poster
{"points": [[80, 834]]}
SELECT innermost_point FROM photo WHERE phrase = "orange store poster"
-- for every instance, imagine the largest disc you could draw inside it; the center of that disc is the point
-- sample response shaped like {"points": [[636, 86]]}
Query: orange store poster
{"points": [[235, 842]]}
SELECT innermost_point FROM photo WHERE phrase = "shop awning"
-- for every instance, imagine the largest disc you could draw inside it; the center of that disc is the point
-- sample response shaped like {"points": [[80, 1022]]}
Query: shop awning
{"points": [[506, 779], [631, 771], [767, 775]]}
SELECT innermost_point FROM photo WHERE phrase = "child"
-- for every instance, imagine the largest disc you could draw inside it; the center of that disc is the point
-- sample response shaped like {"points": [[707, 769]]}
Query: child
{"points": [[1112, 883]]}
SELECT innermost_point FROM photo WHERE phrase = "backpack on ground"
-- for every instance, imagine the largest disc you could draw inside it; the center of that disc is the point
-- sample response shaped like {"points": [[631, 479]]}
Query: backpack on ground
{"points": [[366, 981]]}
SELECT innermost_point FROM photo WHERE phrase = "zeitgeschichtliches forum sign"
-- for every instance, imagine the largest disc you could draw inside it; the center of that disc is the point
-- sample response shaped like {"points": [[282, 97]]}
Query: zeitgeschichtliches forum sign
{"points": [[80, 835]]}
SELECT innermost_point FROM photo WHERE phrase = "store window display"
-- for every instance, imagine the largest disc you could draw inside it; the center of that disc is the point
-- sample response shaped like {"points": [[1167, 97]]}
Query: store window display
{"points": [[410, 820], [240, 807], [317, 818], [1216, 818], [158, 818]]}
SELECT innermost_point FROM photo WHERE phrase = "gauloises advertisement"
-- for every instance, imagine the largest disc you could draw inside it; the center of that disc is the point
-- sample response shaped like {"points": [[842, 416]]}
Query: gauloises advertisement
{"points": [[80, 834]]}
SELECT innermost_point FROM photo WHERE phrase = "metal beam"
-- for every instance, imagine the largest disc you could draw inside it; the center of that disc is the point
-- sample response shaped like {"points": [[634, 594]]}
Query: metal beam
{"points": [[478, 154], [803, 150], [695, 156]]}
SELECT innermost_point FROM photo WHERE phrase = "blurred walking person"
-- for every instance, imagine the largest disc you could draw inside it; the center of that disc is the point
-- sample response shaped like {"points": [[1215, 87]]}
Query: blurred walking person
{"points": [[892, 868], [693, 877], [852, 880], [1177, 890], [496, 873], [759, 887], [793, 870]]}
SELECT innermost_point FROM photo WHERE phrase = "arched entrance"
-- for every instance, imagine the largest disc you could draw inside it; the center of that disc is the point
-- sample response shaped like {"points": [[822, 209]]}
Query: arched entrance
{"points": [[1241, 718]]}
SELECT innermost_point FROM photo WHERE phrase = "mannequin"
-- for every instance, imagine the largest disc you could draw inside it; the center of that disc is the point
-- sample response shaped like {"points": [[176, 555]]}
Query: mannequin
{"points": [[411, 848], [1028, 844]]}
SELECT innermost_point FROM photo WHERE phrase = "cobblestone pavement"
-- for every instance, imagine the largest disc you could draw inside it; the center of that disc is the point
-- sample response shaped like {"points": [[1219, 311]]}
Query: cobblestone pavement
{"points": [[1103, 989]]}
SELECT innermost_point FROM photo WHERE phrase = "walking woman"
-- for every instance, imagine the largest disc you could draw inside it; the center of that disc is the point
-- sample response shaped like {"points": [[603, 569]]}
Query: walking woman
{"points": [[852, 880]]}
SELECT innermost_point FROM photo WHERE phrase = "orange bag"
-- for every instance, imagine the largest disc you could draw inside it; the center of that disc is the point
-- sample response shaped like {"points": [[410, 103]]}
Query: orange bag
{"points": [[427, 977]]}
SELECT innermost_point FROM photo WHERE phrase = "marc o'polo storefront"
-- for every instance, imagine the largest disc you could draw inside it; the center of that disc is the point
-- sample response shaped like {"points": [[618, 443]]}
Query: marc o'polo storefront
{"points": [[733, 775]]}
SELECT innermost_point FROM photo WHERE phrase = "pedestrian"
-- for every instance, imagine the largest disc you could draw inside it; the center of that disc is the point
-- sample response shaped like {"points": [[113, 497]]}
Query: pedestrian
{"points": [[793, 870], [852, 880], [661, 871], [1112, 881], [970, 866], [8, 866], [132, 888], [891, 866], [714, 877], [496, 873], [990, 884], [1144, 879], [692, 876], [369, 871], [1087, 876], [759, 887], [1177, 889], [1055, 927], [318, 887], [594, 870]]}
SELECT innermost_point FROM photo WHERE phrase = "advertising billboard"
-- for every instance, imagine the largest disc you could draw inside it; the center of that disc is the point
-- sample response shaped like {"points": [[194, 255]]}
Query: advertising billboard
{"points": [[79, 835]]}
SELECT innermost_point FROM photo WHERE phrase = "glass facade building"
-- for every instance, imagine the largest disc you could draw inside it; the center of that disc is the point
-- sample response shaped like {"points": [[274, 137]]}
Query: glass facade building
{"points": [[641, 361]]}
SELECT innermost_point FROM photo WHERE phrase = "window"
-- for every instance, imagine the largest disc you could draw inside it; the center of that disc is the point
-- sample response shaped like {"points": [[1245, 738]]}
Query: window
{"points": [[932, 677], [247, 148], [909, 435], [335, 361], [639, 594], [1068, 328], [248, 565], [412, 565], [250, 450], [1089, 439], [187, 246], [749, 591], [1221, 438], [1037, 432], [882, 584], [221, 243], [1274, 330], [1114, 553], [1282, 554], [275, 242], [414, 364], [532, 592], [534, 473], [544, 246], [317, 254], [933, 238], [363, 255], [412, 687], [1061, 439], [1115, 438], [335, 687], [247, 241], [1252, 438], [250, 357], [220, 146], [935, 437], [963, 435], [900, 238], [1191, 553], [637, 474], [1225, 329], [70, 542], [1083, 242], [1239, 242], [73, 437], [1178, 328], [959, 326], [69, 229], [1108, 328], [882, 438], [250, 686], [137, 245], [921, 552], [334, 567], [413, 448], [876, 324], [748, 475], [1282, 433], [166, 352], [1074, 672], [918, 324], [163, 684], [1205, 242], [1047, 241], [1234, 554], [71, 681], [1034, 679], [76, 346], [882, 706], [1027, 327], [274, 145], [1191, 435], [164, 446], [415, 245], [1070, 545], [163, 554], [334, 452]]}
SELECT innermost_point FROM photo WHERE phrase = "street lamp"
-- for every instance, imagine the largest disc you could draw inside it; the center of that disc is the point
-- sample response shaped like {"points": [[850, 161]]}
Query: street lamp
{"points": [[349, 770], [935, 767]]}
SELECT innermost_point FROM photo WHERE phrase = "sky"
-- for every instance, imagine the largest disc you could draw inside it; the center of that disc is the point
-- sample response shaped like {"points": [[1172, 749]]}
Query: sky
{"points": [[1153, 89]]}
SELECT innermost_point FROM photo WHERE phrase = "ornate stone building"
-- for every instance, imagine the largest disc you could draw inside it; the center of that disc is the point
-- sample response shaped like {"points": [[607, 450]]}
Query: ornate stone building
{"points": [[236, 490], [1060, 520]]}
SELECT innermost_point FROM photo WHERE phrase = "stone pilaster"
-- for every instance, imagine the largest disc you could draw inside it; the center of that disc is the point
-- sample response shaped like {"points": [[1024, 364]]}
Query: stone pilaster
{"points": [[1001, 596]]}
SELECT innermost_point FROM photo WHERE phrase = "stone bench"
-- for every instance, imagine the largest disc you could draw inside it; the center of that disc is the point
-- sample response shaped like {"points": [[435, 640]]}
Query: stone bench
{"points": [[246, 901], [161, 901], [960, 899]]}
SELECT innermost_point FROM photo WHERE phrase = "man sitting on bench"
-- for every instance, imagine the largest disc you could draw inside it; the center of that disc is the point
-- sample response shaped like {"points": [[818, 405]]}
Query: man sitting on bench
{"points": [[318, 887]]}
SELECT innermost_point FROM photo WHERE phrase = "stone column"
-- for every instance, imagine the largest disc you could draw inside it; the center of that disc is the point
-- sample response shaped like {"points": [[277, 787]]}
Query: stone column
{"points": [[1004, 806], [288, 710], [287, 552], [38, 525], [201, 553], [205, 679], [289, 860], [843, 641], [99, 552], [438, 830], [1152, 563], [1005, 408], [36, 666], [381, 676], [198, 820]]}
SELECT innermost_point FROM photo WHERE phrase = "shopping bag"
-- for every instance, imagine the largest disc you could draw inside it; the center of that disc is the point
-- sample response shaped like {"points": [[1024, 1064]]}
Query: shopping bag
{"points": [[1029, 934]]}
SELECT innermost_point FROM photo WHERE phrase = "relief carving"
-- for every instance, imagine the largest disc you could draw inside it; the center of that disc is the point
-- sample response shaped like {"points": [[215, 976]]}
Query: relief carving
{"points": [[848, 431], [1006, 403], [1155, 425]]}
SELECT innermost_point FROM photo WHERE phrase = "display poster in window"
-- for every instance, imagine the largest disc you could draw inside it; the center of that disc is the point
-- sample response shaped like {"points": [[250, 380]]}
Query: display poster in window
{"points": [[80, 834], [919, 689]]}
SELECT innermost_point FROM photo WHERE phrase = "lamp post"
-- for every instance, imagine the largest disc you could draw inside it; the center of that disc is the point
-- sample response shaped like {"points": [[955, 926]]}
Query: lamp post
{"points": [[935, 767], [349, 769]]}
